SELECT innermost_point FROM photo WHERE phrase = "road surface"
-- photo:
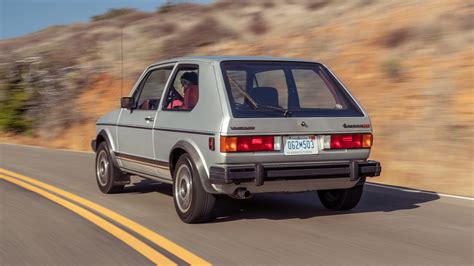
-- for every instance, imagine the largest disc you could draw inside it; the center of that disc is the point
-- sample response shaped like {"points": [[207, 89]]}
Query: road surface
{"points": [[389, 226]]}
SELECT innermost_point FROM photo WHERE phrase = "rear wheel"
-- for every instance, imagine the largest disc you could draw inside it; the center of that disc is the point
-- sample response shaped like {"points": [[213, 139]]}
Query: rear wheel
{"points": [[109, 178], [341, 199], [192, 203]]}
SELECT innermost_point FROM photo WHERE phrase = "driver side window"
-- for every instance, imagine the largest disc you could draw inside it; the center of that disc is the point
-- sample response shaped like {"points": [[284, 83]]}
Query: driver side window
{"points": [[183, 93], [152, 88]]}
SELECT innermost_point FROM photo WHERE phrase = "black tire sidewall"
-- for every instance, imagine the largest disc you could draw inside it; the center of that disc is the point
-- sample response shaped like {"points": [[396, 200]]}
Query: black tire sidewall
{"points": [[346, 199], [200, 198], [109, 186]]}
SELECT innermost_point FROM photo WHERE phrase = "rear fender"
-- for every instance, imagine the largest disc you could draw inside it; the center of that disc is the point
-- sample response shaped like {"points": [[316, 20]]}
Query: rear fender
{"points": [[198, 162]]}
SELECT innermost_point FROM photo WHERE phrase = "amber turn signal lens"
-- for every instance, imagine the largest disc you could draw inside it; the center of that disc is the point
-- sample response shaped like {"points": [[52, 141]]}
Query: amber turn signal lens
{"points": [[367, 140], [228, 144], [247, 144]]}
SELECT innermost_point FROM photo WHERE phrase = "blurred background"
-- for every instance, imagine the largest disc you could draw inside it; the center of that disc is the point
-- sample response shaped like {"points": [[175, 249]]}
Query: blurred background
{"points": [[409, 62]]}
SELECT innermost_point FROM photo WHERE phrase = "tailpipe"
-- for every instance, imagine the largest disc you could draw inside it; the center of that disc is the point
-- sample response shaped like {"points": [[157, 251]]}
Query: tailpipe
{"points": [[242, 193]]}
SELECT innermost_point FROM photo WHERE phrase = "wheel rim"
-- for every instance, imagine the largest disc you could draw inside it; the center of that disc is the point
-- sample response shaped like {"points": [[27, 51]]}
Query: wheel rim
{"points": [[183, 191], [102, 170]]}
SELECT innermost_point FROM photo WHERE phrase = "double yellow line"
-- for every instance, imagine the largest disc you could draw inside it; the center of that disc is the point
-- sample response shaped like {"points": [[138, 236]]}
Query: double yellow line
{"points": [[44, 190]]}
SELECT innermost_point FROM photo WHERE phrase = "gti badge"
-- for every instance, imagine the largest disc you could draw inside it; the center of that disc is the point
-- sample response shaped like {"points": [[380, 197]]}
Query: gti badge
{"points": [[356, 125]]}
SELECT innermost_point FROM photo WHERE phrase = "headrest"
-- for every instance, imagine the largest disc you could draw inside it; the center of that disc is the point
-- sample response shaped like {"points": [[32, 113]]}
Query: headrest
{"points": [[265, 95]]}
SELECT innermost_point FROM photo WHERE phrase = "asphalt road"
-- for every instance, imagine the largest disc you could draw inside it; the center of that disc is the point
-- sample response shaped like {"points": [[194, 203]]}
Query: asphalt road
{"points": [[387, 227]]}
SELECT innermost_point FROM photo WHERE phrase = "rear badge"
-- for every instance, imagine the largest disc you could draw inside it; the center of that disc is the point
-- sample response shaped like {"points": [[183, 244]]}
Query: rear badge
{"points": [[356, 125], [242, 128]]}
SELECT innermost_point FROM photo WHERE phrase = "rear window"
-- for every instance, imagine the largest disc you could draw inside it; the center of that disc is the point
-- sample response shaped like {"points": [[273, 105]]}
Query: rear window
{"points": [[278, 89]]}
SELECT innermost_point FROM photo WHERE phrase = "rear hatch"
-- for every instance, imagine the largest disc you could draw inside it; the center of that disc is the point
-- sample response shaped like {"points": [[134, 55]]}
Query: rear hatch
{"points": [[300, 107]]}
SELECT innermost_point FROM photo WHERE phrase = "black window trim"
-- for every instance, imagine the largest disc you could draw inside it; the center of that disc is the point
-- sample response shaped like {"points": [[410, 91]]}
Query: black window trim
{"points": [[179, 66], [138, 91]]}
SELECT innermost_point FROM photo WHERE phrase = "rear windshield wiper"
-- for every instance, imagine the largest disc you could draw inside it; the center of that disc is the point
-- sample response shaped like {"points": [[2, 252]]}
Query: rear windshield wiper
{"points": [[254, 103], [285, 112]]}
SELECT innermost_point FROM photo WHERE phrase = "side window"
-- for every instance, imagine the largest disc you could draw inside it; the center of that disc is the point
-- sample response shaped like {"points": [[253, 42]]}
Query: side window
{"points": [[152, 88], [183, 93]]}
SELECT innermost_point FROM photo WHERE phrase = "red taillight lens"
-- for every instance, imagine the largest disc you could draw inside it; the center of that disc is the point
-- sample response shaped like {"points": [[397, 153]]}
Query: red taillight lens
{"points": [[247, 144], [351, 141]]}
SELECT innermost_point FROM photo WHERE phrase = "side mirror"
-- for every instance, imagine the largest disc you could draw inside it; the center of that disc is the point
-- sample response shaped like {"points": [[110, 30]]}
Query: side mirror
{"points": [[128, 103]]}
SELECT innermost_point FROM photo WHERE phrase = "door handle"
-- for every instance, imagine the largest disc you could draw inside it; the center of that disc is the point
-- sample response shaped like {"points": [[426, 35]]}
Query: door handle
{"points": [[149, 119]]}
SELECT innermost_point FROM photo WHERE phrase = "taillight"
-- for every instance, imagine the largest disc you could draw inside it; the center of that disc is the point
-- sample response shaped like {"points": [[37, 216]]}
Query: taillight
{"points": [[248, 143], [347, 141]]}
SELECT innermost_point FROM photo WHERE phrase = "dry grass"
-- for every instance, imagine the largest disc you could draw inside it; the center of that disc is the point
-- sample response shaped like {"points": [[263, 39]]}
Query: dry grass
{"points": [[207, 32]]}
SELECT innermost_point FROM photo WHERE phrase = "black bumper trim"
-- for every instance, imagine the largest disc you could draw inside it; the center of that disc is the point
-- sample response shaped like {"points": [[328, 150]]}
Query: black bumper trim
{"points": [[260, 173]]}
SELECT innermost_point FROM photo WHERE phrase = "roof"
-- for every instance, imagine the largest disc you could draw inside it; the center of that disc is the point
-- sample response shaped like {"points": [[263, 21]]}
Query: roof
{"points": [[230, 58]]}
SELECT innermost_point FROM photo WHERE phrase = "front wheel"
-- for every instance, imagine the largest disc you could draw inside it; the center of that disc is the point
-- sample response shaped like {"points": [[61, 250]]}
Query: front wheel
{"points": [[341, 199], [109, 178], [192, 203]]}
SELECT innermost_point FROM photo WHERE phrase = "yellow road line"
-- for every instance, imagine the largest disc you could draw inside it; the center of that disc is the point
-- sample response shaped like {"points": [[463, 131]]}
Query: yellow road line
{"points": [[127, 238], [159, 240]]}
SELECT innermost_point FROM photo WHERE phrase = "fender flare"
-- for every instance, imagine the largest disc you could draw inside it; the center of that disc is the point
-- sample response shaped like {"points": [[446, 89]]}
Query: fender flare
{"points": [[103, 133], [198, 163]]}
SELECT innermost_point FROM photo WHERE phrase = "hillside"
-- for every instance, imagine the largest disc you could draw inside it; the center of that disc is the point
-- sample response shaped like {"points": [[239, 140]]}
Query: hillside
{"points": [[410, 63]]}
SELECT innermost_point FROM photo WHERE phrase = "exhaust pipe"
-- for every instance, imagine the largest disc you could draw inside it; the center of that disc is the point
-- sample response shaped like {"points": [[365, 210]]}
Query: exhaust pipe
{"points": [[242, 193]]}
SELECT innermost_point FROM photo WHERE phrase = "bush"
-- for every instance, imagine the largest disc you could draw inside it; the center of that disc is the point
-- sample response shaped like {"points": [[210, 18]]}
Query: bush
{"points": [[113, 13], [206, 32], [314, 5], [258, 25], [392, 68], [167, 7], [14, 105], [159, 29], [396, 37]]}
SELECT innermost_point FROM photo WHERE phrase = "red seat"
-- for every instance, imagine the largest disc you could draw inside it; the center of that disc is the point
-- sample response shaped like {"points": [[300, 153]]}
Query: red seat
{"points": [[191, 96]]}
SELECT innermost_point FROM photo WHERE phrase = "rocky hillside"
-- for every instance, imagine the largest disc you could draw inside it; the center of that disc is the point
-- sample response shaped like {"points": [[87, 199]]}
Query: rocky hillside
{"points": [[410, 63]]}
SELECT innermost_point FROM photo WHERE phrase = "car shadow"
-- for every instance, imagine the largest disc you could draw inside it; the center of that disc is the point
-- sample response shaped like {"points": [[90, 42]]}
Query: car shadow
{"points": [[304, 205], [148, 186]]}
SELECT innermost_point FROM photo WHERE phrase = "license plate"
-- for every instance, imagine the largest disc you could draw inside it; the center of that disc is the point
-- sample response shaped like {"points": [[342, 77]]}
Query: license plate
{"points": [[301, 145]]}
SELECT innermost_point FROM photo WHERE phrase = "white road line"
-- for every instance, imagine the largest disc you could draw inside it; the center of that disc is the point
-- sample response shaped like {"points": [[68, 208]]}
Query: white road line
{"points": [[420, 191]]}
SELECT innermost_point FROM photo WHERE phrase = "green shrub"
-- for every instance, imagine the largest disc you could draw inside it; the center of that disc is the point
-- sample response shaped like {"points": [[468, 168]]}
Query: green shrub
{"points": [[392, 68], [14, 104]]}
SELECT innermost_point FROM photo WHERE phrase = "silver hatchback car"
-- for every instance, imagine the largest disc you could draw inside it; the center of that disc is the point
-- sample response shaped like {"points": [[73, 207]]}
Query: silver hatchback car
{"points": [[237, 126]]}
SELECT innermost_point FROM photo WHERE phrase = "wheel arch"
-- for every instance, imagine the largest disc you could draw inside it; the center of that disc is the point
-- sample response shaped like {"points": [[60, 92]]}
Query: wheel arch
{"points": [[103, 136], [185, 147]]}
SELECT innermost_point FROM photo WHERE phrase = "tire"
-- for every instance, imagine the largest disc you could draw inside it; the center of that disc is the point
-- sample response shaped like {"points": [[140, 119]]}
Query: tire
{"points": [[192, 203], [341, 199], [107, 174]]}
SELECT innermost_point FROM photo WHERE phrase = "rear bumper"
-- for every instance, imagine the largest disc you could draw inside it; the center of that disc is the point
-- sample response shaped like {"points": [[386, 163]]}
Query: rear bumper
{"points": [[260, 173]]}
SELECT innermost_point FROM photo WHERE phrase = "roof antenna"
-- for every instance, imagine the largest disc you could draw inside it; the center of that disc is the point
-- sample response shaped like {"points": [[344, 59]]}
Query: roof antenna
{"points": [[121, 61]]}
